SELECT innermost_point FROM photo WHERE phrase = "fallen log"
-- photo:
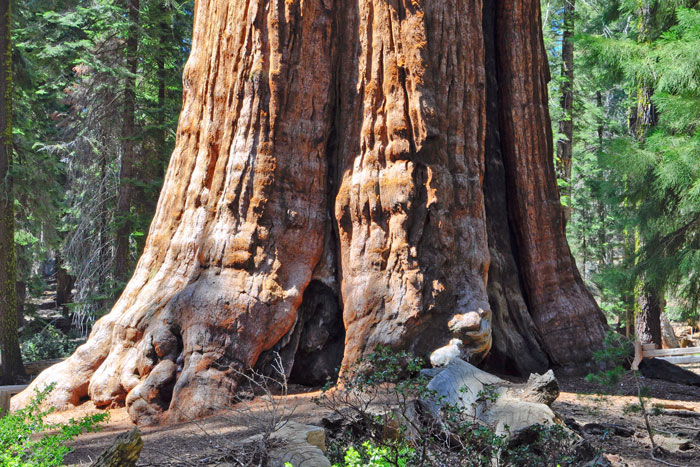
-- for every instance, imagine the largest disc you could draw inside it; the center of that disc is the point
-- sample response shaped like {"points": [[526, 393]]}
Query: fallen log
{"points": [[509, 409], [518, 411], [677, 413], [661, 369], [602, 429]]}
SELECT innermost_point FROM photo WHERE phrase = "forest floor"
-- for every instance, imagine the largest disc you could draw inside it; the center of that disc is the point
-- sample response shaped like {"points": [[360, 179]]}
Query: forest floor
{"points": [[203, 441]]}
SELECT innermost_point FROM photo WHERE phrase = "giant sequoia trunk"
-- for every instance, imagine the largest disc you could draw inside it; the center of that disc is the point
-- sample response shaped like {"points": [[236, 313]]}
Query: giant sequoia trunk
{"points": [[386, 152]]}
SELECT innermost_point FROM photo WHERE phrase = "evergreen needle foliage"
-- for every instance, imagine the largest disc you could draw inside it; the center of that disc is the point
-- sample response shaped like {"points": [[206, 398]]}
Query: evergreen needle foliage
{"points": [[636, 168]]}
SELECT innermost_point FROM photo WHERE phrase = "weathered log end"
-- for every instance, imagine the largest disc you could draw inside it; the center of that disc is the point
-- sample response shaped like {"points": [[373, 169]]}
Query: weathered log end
{"points": [[517, 411], [124, 451], [543, 389]]}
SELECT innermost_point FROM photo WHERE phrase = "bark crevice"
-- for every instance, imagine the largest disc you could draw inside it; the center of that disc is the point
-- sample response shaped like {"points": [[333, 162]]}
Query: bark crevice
{"points": [[517, 346]]}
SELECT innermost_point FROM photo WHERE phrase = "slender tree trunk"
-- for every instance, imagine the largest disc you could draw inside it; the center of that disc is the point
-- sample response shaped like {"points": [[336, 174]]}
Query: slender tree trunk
{"points": [[129, 161], [64, 283], [103, 255], [565, 144], [386, 154], [162, 75], [650, 301], [12, 367]]}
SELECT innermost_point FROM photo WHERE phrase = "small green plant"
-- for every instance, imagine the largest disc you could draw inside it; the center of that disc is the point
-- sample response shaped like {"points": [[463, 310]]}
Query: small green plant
{"points": [[541, 445], [631, 408], [657, 409], [489, 394], [28, 440], [47, 344], [614, 357], [369, 455]]}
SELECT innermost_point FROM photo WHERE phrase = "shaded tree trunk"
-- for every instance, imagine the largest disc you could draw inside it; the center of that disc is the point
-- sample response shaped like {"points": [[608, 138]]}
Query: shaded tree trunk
{"points": [[648, 325], [64, 283], [129, 160], [385, 151], [151, 166], [563, 309], [104, 255], [565, 145], [21, 288], [517, 343], [12, 367]]}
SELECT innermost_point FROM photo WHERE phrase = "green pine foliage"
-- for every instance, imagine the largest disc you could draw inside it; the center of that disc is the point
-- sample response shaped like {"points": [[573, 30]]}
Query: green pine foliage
{"points": [[636, 190], [70, 70]]}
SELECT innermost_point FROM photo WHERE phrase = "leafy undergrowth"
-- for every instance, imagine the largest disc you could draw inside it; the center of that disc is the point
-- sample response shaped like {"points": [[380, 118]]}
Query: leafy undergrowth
{"points": [[386, 418], [27, 439]]}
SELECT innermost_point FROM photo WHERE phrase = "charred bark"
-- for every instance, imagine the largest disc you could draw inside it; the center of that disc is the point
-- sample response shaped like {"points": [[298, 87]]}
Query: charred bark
{"points": [[373, 158]]}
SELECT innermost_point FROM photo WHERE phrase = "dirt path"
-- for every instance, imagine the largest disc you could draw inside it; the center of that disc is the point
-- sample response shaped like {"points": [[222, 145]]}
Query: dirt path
{"points": [[585, 402], [199, 442]]}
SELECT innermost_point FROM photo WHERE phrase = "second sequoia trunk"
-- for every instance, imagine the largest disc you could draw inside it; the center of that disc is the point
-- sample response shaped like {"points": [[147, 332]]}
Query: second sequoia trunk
{"points": [[388, 152]]}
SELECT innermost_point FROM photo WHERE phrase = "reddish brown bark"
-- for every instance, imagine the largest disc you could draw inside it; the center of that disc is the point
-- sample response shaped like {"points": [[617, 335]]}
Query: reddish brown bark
{"points": [[648, 324], [517, 343], [352, 146], [410, 206], [561, 306]]}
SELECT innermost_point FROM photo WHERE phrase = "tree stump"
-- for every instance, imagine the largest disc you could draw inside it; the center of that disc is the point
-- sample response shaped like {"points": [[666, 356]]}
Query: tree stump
{"points": [[124, 451]]}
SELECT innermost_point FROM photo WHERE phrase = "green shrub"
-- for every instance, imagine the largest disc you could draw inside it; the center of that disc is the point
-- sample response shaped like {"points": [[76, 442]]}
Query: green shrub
{"points": [[47, 344], [541, 445], [615, 355], [26, 439], [369, 455], [384, 425]]}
